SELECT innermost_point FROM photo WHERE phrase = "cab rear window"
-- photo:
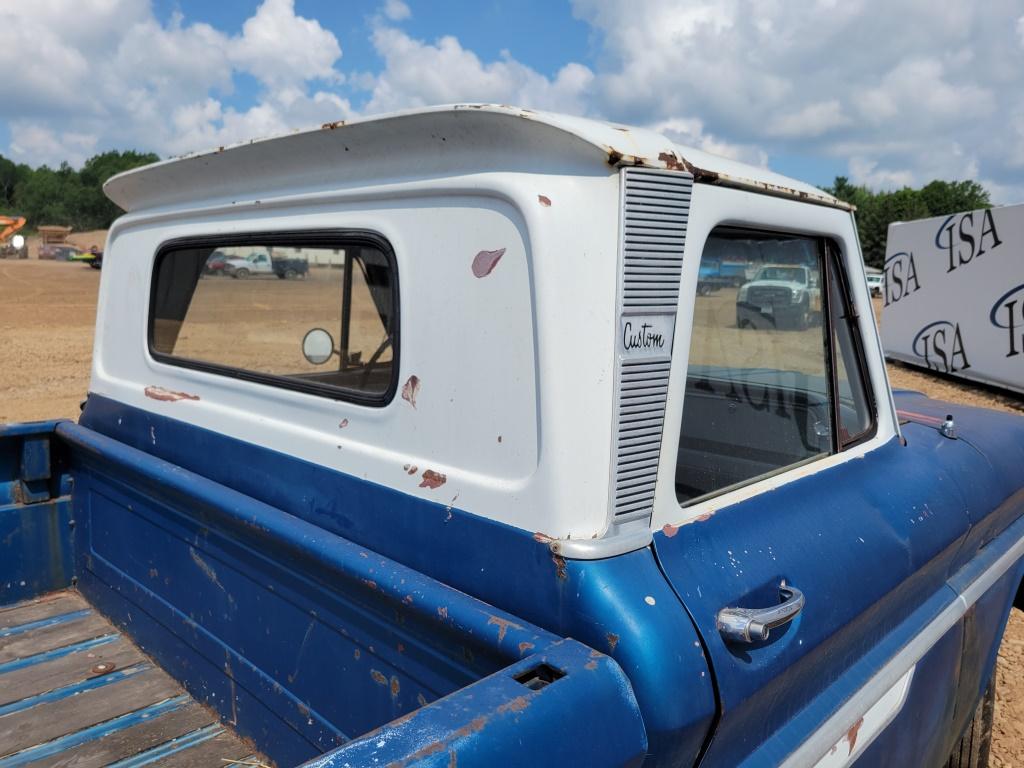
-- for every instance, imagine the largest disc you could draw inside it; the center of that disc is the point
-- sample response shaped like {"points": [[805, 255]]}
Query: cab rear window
{"points": [[315, 313]]}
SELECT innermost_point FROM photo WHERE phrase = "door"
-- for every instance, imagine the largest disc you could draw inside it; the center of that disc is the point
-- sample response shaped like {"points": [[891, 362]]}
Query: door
{"points": [[808, 554]]}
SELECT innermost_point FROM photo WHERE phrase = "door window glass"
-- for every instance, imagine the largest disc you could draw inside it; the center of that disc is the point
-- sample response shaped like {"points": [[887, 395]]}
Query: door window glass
{"points": [[760, 386]]}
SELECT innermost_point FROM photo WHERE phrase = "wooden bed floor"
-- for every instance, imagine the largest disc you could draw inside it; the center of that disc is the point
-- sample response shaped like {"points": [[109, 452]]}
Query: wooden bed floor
{"points": [[75, 692]]}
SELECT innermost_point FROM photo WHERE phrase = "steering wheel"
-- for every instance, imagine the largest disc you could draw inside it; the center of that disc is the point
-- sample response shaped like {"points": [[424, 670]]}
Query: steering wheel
{"points": [[372, 362]]}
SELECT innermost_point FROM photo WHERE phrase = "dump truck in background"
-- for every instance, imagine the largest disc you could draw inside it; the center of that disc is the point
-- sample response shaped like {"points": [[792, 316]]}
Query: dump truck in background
{"points": [[953, 295]]}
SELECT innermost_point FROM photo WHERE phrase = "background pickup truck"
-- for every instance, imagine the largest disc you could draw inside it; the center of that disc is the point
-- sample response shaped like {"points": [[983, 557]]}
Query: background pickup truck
{"points": [[498, 490], [263, 264]]}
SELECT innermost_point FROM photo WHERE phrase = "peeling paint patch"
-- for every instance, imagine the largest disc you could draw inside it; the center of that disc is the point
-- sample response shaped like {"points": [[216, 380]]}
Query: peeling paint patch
{"points": [[432, 479], [559, 562], [851, 735], [205, 567], [542, 538], [544, 200], [518, 704], [421, 699], [343, 423], [591, 665], [613, 640], [442, 611], [503, 625], [411, 469], [411, 390], [167, 395], [669, 530], [485, 262]]}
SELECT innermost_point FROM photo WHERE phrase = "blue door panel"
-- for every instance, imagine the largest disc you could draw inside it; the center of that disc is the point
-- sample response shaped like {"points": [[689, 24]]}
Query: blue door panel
{"points": [[868, 542], [920, 735]]}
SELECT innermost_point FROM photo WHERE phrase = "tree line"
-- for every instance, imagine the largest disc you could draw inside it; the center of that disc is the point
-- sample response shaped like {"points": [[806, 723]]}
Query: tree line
{"points": [[65, 196], [876, 210]]}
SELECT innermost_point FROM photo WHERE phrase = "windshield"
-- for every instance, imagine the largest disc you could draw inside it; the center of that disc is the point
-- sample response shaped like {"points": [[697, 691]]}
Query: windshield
{"points": [[789, 274]]}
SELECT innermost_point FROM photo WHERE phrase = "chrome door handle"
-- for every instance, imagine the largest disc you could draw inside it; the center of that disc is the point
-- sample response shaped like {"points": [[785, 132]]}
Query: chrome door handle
{"points": [[752, 625]]}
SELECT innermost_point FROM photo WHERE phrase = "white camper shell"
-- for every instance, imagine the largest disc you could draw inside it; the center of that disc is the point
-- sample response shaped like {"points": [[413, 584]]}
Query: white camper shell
{"points": [[524, 322]]}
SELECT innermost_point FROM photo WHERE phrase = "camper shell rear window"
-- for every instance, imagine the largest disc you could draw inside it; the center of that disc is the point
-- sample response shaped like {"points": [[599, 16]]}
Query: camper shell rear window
{"points": [[311, 312]]}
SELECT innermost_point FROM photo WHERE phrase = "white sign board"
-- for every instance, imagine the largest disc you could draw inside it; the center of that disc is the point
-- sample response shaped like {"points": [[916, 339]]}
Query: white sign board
{"points": [[954, 295]]}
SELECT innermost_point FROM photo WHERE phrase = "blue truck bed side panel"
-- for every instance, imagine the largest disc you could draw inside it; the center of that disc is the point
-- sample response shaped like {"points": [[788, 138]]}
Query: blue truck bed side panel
{"points": [[601, 603], [299, 638]]}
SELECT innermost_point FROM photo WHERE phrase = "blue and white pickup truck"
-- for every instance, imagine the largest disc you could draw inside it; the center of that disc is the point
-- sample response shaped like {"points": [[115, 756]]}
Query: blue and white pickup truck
{"points": [[499, 491]]}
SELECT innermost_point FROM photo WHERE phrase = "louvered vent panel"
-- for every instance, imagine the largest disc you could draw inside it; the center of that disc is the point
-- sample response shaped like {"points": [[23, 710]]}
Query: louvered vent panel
{"points": [[656, 207]]}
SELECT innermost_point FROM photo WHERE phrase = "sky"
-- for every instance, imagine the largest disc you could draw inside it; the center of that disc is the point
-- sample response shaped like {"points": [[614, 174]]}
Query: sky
{"points": [[886, 92]]}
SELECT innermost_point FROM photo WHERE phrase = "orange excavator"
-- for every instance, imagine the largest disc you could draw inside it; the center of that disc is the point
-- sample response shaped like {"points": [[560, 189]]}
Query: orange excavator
{"points": [[16, 247]]}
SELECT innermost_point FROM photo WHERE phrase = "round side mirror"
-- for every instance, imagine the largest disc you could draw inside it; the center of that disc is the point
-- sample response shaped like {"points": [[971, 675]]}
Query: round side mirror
{"points": [[317, 346], [18, 241]]}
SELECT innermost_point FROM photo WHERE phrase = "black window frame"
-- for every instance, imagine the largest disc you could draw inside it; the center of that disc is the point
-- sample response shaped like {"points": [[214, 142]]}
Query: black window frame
{"points": [[831, 261], [322, 238]]}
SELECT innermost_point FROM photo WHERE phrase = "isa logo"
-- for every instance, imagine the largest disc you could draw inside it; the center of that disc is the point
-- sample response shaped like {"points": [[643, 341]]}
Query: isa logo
{"points": [[963, 236], [1008, 313], [942, 346], [899, 277]]}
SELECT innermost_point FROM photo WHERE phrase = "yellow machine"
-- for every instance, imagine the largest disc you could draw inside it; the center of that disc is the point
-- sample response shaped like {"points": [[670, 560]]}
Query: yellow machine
{"points": [[16, 247]]}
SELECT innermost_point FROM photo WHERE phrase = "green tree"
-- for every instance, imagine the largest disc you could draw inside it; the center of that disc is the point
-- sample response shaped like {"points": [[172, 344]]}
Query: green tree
{"points": [[877, 210]]}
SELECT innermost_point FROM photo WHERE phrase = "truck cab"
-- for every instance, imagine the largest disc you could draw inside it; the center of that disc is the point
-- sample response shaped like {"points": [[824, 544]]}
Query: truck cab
{"points": [[500, 489]]}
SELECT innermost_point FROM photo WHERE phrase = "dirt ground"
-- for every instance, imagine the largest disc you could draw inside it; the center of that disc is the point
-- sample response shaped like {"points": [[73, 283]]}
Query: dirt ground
{"points": [[47, 310]]}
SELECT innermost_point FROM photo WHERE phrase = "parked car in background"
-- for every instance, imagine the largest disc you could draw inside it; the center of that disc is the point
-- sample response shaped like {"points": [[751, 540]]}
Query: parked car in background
{"points": [[262, 264], [216, 264], [875, 282], [58, 252]]}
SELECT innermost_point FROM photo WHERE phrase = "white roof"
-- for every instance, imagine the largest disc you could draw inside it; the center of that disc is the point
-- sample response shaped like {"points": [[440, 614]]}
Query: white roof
{"points": [[442, 140]]}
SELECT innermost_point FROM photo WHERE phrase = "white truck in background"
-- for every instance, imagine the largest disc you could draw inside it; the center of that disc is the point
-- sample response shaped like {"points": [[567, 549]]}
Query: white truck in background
{"points": [[953, 293]]}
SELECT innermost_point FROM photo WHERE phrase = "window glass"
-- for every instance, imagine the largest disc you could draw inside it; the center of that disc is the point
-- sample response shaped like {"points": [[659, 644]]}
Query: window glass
{"points": [[299, 315], [758, 393], [855, 407]]}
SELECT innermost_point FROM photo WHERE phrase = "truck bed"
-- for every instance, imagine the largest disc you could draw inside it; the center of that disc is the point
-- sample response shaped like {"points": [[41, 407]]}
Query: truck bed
{"points": [[74, 691]]}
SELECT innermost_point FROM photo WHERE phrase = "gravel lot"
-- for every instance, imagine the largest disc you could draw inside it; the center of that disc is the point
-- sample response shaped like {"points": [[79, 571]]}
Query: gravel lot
{"points": [[47, 310]]}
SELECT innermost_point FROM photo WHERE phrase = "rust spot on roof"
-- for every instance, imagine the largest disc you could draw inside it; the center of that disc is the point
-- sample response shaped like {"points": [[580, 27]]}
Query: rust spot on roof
{"points": [[432, 479], [411, 469], [591, 665], [378, 677], [542, 538], [370, 583], [544, 200], [524, 647], [613, 640], [669, 530], [672, 161], [411, 390], [503, 625], [332, 126], [168, 395], [614, 157], [395, 687], [343, 423], [485, 262]]}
